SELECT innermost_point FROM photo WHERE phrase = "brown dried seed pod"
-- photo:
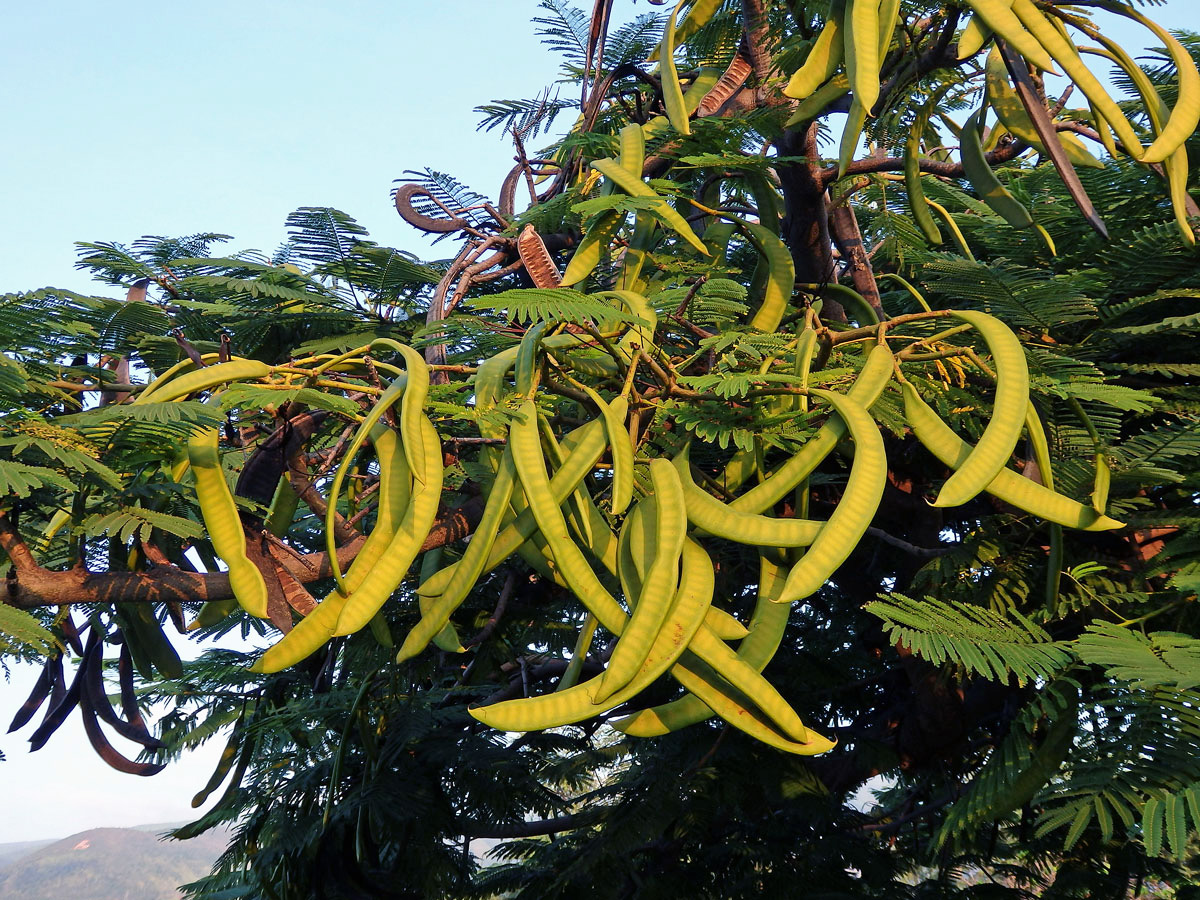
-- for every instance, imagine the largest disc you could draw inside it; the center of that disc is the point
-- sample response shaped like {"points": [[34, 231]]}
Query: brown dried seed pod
{"points": [[537, 259], [727, 85]]}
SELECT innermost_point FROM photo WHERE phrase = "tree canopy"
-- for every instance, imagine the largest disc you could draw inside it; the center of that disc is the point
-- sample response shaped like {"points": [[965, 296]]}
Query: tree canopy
{"points": [[787, 478]]}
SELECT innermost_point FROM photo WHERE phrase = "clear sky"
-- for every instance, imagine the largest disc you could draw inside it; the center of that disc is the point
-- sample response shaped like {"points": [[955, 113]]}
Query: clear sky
{"points": [[144, 117]]}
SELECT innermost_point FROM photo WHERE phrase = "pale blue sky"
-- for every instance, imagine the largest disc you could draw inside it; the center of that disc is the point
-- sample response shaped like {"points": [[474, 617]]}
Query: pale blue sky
{"points": [[144, 117]]}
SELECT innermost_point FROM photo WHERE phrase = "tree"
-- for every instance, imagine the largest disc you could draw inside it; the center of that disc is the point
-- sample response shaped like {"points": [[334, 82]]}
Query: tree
{"points": [[905, 498]]}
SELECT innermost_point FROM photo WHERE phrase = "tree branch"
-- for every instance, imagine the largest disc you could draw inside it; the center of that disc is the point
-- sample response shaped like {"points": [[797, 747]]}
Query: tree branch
{"points": [[34, 586]]}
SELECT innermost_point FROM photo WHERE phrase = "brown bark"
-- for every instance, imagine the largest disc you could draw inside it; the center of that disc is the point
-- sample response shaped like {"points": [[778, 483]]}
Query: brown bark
{"points": [[806, 223], [848, 237], [31, 586]]}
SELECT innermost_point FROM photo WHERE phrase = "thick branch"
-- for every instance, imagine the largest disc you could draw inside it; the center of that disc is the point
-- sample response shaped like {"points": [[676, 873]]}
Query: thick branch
{"points": [[35, 586], [848, 237], [932, 166]]}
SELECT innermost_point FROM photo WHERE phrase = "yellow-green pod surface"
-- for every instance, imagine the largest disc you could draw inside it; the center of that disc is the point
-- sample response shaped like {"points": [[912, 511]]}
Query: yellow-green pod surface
{"points": [[719, 519], [658, 588], [593, 246], [999, 17], [990, 189], [1002, 97], [526, 363], [741, 712], [446, 638], [704, 82], [467, 570], [583, 643], [369, 425], [830, 92], [912, 178], [419, 516], [823, 58], [163, 390], [1182, 122], [587, 445], [283, 508], [767, 626], [662, 208], [1175, 165], [856, 509], [222, 523], [412, 412], [213, 612], [633, 149], [861, 46], [1064, 52], [781, 275], [672, 91], [580, 702], [640, 245], [874, 377], [955, 232], [638, 335], [315, 629], [547, 513], [856, 120], [622, 452], [578, 574], [184, 365], [699, 14], [1014, 489], [973, 37], [1003, 430]]}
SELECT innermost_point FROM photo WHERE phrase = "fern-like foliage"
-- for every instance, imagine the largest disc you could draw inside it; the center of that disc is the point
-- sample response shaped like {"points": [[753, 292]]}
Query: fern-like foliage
{"points": [[1158, 659], [21, 633], [555, 305], [982, 641]]}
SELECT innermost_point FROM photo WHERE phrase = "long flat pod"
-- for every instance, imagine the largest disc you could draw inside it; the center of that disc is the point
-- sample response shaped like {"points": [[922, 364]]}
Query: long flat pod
{"points": [[823, 58], [975, 35], [781, 275], [741, 711], [592, 246], [1014, 489], [853, 514], [1038, 116], [222, 522], [1003, 430], [1003, 98], [621, 448], [586, 449], [469, 567], [912, 174], [861, 47], [1183, 120], [979, 172], [654, 600], [867, 388], [721, 520], [662, 209], [672, 91], [767, 626], [393, 394], [1175, 165], [1067, 56], [578, 574], [999, 17], [580, 702], [167, 388], [314, 630], [387, 575]]}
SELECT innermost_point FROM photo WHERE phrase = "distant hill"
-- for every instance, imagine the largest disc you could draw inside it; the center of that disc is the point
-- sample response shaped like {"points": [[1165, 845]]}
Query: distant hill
{"points": [[107, 864]]}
